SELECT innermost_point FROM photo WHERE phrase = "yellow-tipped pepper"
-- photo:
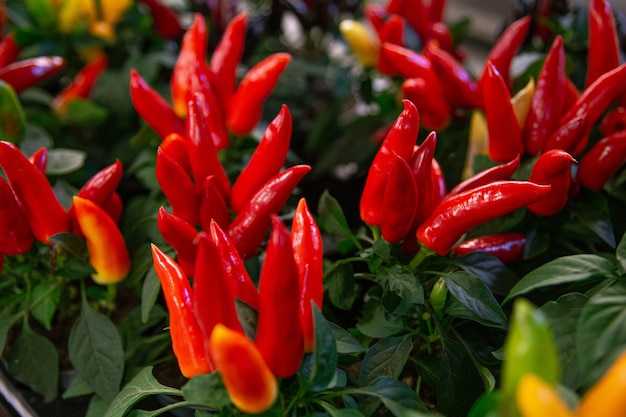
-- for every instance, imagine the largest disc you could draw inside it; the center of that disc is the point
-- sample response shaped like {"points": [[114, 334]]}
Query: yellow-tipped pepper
{"points": [[363, 43]]}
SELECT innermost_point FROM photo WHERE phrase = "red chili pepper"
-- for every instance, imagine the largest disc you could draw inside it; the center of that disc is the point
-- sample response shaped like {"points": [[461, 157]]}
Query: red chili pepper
{"points": [[400, 141], [603, 49], [249, 227], [213, 300], [435, 112], [226, 57], [181, 236], [175, 146], [502, 53], [211, 110], [406, 62], [415, 12], [505, 136], [202, 151], [436, 9], [546, 107], [114, 207], [188, 341], [153, 108], [375, 14], [246, 105], [177, 187], [165, 19], [438, 32], [212, 207], [279, 335], [242, 286], [9, 51], [602, 161], [308, 252], [439, 182], [457, 215], [421, 166], [250, 383], [552, 168], [28, 72], [45, 214], [392, 32], [508, 247], [105, 244], [16, 237], [613, 121], [496, 173], [266, 161], [81, 86], [571, 95], [399, 202], [570, 135], [541, 16], [40, 159]]}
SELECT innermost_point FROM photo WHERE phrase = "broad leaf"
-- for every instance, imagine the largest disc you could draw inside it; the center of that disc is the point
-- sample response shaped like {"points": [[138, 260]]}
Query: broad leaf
{"points": [[385, 358], [207, 390], [402, 282], [620, 253], [593, 211], [341, 286], [346, 343], [474, 295], [64, 161], [493, 272], [149, 293], [45, 299], [376, 324], [325, 354], [395, 395]]}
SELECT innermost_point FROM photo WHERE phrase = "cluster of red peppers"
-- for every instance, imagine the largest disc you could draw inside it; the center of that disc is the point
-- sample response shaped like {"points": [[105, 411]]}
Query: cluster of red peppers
{"points": [[30, 210]]}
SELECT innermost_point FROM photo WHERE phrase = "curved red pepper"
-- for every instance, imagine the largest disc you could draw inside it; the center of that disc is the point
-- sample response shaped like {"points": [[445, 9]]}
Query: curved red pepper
{"points": [[212, 207], [246, 105], [250, 226], [543, 118], [81, 86], [16, 236], [266, 161], [188, 341], [153, 108], [399, 202], [226, 57], [421, 166], [308, 252], [505, 136], [439, 183], [40, 159], [406, 62], [435, 112], [400, 141], [242, 286], [212, 111], [455, 216], [496, 173], [279, 335], [165, 19], [415, 12], [177, 187], [175, 146], [181, 236], [392, 32], [28, 72], [9, 51], [45, 214], [508, 247], [603, 49], [552, 168], [614, 121], [602, 161], [569, 135], [114, 207]]}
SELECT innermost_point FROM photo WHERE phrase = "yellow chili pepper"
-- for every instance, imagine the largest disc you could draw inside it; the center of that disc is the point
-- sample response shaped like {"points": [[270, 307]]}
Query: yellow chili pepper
{"points": [[607, 398], [112, 11], [535, 398], [522, 100], [361, 40], [477, 142]]}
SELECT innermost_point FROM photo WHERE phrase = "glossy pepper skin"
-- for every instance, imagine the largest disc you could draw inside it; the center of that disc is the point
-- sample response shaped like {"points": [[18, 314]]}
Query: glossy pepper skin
{"points": [[308, 252], [188, 341], [182, 236], [422, 166], [399, 141], [246, 104], [28, 72], [435, 111], [16, 237], [279, 335], [552, 168], [177, 187], [81, 86], [495, 173], [456, 216], [508, 247], [212, 205], [250, 226], [9, 50], [568, 136], [266, 160], [250, 383], [31, 188], [165, 19], [613, 121], [536, 398], [602, 161], [603, 49], [105, 244], [399, 202]]}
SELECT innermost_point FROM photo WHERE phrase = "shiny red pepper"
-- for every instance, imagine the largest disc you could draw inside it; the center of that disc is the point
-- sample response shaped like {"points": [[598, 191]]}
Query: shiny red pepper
{"points": [[16, 237], [603, 50], [246, 105], [435, 112], [421, 166], [508, 247], [602, 161], [400, 141], [212, 206], [188, 340], [181, 236], [175, 146], [614, 121], [45, 214], [165, 19], [415, 12], [406, 62], [544, 116], [81, 86], [308, 252], [495, 173], [250, 226], [392, 32], [505, 136], [266, 161], [399, 202], [153, 108], [9, 51], [177, 187], [211, 109], [279, 335], [569, 135], [28, 72], [114, 206], [455, 216], [40, 159], [439, 183], [552, 168]]}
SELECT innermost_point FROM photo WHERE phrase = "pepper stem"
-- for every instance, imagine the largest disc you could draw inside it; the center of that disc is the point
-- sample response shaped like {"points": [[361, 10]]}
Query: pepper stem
{"points": [[421, 255]]}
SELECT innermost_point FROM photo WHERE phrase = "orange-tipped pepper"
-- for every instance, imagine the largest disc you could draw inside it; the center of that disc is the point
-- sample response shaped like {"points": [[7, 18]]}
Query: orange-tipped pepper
{"points": [[182, 236], [250, 384], [177, 187], [81, 87], [105, 244]]}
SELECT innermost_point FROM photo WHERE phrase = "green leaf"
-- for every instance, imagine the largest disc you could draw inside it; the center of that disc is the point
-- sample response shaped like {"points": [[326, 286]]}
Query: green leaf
{"points": [[97, 407], [486, 406], [77, 387], [398, 397], [207, 390], [33, 359], [149, 293], [63, 161], [563, 270], [601, 330], [493, 272], [620, 253], [84, 113], [72, 243], [593, 211], [45, 299], [474, 295], [402, 282], [341, 286], [143, 385], [6, 322], [386, 358], [332, 219], [12, 118], [376, 324], [325, 354], [346, 343], [96, 351]]}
